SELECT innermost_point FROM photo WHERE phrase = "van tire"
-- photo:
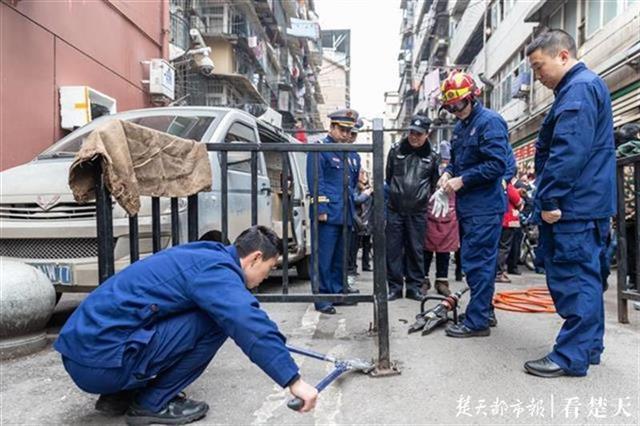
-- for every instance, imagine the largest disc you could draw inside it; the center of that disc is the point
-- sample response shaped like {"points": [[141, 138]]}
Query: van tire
{"points": [[303, 268]]}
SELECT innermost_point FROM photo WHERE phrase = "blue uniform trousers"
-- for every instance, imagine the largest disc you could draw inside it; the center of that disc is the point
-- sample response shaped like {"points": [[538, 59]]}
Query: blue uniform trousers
{"points": [[330, 266], [177, 354], [405, 250], [479, 251], [572, 255]]}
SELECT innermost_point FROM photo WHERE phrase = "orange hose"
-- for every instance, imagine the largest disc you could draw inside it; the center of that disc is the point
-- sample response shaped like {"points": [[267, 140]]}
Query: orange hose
{"points": [[531, 300]]}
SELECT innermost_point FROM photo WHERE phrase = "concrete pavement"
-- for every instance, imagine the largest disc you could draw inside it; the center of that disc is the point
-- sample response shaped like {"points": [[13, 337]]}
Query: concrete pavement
{"points": [[443, 380]]}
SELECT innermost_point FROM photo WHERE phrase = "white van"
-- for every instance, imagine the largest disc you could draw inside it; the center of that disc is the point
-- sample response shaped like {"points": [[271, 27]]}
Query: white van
{"points": [[42, 225]]}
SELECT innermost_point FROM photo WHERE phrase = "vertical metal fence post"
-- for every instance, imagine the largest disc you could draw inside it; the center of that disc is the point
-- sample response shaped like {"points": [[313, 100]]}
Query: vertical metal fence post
{"points": [[224, 189], [315, 274], [254, 188], [155, 224], [623, 315], [134, 243], [346, 165], [379, 250], [175, 222], [284, 184], [192, 217], [104, 226], [636, 202]]}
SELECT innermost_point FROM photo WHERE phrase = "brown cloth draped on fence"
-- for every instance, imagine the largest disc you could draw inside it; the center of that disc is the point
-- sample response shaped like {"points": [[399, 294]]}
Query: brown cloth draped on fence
{"points": [[137, 161]]}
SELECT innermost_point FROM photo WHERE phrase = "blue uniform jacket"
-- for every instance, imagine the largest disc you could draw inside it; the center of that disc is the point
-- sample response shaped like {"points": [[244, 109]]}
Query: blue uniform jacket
{"points": [[200, 275], [575, 152], [330, 178], [479, 154]]}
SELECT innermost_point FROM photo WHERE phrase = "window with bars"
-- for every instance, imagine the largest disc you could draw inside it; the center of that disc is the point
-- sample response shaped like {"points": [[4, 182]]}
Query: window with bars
{"points": [[565, 17], [510, 78], [600, 12]]}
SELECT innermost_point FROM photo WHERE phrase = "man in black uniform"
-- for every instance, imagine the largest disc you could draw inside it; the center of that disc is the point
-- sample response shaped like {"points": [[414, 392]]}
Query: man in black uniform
{"points": [[411, 176]]}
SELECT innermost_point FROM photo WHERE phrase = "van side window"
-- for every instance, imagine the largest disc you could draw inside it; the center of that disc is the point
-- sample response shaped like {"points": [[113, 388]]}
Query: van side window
{"points": [[240, 161]]}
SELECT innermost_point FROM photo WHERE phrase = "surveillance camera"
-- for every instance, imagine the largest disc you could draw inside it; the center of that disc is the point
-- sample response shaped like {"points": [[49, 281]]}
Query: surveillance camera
{"points": [[196, 38], [204, 64]]}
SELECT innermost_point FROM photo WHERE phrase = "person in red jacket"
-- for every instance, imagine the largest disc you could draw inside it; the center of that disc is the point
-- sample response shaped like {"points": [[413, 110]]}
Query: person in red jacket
{"points": [[442, 236], [300, 133], [510, 223]]}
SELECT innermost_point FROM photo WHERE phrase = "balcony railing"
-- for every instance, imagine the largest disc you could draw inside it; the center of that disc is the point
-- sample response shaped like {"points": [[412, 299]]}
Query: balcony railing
{"points": [[179, 31], [469, 24]]}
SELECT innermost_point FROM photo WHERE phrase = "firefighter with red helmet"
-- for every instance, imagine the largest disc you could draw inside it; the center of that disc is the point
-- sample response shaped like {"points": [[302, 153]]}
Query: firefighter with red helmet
{"points": [[480, 154]]}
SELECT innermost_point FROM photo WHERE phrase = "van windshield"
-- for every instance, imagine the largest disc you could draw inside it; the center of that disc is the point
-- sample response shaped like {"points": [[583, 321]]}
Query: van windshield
{"points": [[188, 127]]}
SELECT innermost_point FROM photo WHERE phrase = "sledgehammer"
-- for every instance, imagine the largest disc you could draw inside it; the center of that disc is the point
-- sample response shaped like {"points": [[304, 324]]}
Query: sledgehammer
{"points": [[341, 366]]}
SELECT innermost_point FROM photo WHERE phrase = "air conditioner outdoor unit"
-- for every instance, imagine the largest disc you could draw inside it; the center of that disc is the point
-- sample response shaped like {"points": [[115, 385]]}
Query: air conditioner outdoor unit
{"points": [[76, 104]]}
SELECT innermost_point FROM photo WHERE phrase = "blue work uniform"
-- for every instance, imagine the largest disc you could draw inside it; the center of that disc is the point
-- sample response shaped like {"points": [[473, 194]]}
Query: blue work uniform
{"points": [[479, 154], [331, 202], [354, 240], [575, 169], [156, 325]]}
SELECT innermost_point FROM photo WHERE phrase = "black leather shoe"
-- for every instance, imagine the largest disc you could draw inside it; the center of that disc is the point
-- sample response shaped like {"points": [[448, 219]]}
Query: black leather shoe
{"points": [[393, 295], [544, 367], [461, 330], [514, 272], [329, 310], [115, 404], [414, 295], [367, 268], [177, 412], [493, 321]]}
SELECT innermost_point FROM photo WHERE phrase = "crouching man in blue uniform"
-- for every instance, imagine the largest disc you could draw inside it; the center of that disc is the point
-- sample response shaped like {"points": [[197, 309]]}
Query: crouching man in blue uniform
{"points": [[331, 203], [576, 196], [479, 162], [149, 331]]}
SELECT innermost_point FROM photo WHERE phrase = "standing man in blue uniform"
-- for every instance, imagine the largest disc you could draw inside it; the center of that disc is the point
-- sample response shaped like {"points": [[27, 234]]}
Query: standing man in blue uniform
{"points": [[479, 162], [149, 331], [331, 203], [576, 197]]}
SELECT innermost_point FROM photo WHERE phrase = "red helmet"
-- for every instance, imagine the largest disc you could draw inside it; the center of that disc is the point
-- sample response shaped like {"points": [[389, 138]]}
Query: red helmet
{"points": [[458, 86]]}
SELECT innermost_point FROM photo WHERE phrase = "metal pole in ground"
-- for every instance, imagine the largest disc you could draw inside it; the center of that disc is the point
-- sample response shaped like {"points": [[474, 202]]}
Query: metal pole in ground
{"points": [[379, 257], [104, 222], [623, 313]]}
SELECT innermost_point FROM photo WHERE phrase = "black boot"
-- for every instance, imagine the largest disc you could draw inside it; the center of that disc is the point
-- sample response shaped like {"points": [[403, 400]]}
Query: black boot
{"points": [[393, 295], [461, 330], [177, 412], [442, 287], [426, 286], [115, 404], [414, 294]]}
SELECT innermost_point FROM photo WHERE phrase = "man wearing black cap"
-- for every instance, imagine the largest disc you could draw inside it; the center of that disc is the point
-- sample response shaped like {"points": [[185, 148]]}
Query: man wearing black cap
{"points": [[411, 176]]}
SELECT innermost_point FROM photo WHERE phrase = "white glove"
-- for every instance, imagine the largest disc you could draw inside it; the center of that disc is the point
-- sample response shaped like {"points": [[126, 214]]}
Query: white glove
{"points": [[440, 201]]}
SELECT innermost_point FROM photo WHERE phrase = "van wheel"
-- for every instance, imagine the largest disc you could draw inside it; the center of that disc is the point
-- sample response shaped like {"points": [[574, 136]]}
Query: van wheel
{"points": [[303, 268]]}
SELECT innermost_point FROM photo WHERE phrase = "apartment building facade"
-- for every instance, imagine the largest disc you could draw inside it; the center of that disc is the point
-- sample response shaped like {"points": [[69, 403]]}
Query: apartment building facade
{"points": [[488, 38], [266, 54], [335, 73]]}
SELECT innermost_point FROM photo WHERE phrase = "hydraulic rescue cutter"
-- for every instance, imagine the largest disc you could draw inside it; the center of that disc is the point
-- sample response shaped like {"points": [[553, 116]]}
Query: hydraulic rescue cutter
{"points": [[428, 320]]}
